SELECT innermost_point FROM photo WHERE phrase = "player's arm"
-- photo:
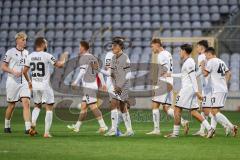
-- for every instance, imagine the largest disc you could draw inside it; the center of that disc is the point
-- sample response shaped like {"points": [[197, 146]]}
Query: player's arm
{"points": [[206, 69], [228, 76], [5, 66], [175, 75], [104, 87], [80, 75], [63, 58], [25, 73], [193, 78]]}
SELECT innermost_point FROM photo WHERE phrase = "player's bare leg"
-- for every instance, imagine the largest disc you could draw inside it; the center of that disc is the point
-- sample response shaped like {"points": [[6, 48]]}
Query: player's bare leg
{"points": [[156, 118], [8, 116], [170, 112], [223, 120], [98, 115], [202, 120], [82, 117], [26, 114], [205, 113], [126, 119], [48, 120]]}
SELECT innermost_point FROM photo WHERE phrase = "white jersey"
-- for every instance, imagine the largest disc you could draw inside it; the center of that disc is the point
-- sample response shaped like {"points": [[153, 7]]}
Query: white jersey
{"points": [[188, 67], [40, 64], [16, 60], [217, 69], [165, 59], [205, 82], [108, 61]]}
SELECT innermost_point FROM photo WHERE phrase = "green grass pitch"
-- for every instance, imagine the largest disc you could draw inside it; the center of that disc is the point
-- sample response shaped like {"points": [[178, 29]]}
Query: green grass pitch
{"points": [[88, 145]]}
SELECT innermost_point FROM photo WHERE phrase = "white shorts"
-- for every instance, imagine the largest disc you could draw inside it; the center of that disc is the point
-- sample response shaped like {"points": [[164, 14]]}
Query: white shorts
{"points": [[218, 100], [207, 96], [15, 91], [90, 92], [165, 98], [45, 96], [187, 99]]}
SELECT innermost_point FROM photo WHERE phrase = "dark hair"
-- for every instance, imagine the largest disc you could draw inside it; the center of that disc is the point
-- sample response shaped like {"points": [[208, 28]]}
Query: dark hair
{"points": [[85, 44], [203, 43], [211, 50], [39, 42], [119, 41], [187, 48], [157, 40]]}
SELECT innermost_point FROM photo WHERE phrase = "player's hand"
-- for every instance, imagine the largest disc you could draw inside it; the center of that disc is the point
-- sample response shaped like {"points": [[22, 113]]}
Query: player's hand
{"points": [[95, 65], [165, 75], [16, 73], [64, 56], [118, 90], [202, 64], [74, 85], [199, 96]]}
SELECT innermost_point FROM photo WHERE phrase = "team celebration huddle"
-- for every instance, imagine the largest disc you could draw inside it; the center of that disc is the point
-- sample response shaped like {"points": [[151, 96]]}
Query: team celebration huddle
{"points": [[29, 80]]}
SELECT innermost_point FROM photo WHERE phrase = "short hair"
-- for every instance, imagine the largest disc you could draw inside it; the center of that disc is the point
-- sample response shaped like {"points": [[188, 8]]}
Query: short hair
{"points": [[85, 44], [187, 48], [39, 41], [21, 35], [119, 41], [203, 43], [157, 40], [211, 50]]}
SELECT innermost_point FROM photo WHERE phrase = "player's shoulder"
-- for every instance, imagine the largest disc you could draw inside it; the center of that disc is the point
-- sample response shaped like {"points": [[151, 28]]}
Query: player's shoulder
{"points": [[201, 57], [190, 60], [109, 54], [11, 51]]}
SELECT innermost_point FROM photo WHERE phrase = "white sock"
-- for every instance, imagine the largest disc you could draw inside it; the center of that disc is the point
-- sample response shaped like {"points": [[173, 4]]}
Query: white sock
{"points": [[127, 121], [120, 117], [213, 121], [78, 124], [48, 121], [206, 124], [176, 129], [7, 123], [102, 123], [35, 114], [156, 117], [114, 118], [27, 125], [223, 120], [202, 128]]}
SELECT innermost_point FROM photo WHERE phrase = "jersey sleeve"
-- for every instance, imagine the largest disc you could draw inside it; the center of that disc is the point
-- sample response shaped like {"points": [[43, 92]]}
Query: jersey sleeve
{"points": [[226, 67], [190, 67], [208, 66], [51, 59], [27, 62], [7, 57]]}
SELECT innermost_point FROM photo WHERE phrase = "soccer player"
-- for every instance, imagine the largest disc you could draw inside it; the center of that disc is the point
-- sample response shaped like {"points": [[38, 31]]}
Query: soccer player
{"points": [[39, 62], [16, 85], [187, 97], [164, 61], [219, 75], [88, 77], [205, 85], [120, 78]]}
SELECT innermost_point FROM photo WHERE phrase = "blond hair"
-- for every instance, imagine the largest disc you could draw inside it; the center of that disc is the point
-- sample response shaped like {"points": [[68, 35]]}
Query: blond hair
{"points": [[21, 35]]}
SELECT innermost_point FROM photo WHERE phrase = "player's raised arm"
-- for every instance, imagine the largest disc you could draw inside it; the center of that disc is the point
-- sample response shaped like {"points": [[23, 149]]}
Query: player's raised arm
{"points": [[63, 58]]}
